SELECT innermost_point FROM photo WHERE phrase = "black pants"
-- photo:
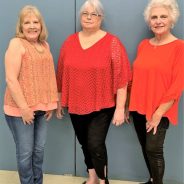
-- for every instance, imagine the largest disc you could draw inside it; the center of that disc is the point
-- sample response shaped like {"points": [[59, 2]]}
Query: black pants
{"points": [[152, 145], [91, 130]]}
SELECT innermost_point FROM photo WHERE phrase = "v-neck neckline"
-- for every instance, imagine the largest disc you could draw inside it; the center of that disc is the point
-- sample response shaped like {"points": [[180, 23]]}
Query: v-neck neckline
{"points": [[93, 45]]}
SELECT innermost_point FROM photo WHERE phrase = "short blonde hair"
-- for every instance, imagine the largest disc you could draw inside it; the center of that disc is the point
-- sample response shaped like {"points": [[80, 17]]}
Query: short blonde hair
{"points": [[96, 4], [171, 5], [26, 10]]}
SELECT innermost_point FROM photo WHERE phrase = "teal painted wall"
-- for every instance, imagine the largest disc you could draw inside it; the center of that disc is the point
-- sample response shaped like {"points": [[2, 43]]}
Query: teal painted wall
{"points": [[123, 18]]}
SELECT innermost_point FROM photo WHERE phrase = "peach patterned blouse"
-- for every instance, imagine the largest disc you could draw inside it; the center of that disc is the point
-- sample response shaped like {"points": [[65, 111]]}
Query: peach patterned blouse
{"points": [[37, 80]]}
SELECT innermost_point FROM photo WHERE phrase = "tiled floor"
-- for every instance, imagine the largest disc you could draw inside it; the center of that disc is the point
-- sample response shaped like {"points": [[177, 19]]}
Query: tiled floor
{"points": [[11, 177]]}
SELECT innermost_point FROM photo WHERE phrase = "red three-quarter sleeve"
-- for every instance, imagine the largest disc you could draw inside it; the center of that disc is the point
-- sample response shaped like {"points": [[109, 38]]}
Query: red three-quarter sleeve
{"points": [[120, 65], [176, 84]]}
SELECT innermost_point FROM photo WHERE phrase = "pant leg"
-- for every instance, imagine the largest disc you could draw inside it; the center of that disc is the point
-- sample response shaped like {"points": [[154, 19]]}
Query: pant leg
{"points": [[139, 121], [40, 133], [80, 125], [97, 132], [154, 150], [91, 131], [23, 137]]}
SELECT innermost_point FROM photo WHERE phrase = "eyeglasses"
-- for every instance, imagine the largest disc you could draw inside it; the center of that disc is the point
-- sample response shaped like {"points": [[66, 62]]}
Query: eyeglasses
{"points": [[92, 15]]}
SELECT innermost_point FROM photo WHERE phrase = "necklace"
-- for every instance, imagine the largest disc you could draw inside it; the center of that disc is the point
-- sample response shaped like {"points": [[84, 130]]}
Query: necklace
{"points": [[163, 40], [39, 48], [156, 43]]}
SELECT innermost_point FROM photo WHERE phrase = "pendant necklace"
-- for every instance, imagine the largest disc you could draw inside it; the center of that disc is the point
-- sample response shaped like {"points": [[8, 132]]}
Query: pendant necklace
{"points": [[40, 49]]}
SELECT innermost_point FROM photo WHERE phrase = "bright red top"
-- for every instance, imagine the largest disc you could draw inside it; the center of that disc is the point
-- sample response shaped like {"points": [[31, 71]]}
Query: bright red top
{"points": [[88, 79], [157, 78]]}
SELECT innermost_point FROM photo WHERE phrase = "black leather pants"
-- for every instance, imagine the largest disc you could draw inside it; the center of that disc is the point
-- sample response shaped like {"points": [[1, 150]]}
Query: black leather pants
{"points": [[152, 145]]}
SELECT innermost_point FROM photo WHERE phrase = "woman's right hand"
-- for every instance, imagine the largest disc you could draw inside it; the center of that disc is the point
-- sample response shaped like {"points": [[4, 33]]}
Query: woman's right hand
{"points": [[119, 117], [27, 115], [59, 112]]}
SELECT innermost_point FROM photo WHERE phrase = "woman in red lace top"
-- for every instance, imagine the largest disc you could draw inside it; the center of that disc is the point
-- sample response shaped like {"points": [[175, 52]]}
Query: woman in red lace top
{"points": [[157, 84], [92, 76]]}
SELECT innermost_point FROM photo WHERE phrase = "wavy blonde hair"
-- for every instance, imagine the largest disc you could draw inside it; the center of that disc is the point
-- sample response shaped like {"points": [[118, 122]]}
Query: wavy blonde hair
{"points": [[24, 12]]}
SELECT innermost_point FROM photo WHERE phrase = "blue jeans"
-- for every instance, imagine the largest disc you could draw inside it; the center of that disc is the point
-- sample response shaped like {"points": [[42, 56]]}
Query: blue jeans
{"points": [[30, 141]]}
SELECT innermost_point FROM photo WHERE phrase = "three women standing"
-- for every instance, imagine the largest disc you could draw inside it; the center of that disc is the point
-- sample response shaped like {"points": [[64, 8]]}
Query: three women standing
{"points": [[93, 73]]}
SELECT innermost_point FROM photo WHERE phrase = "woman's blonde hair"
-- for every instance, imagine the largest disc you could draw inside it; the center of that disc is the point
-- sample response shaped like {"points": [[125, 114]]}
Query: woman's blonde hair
{"points": [[24, 12], [171, 5]]}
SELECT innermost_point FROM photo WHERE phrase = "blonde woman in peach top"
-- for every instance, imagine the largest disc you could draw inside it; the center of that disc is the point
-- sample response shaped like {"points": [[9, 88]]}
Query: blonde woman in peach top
{"points": [[31, 92]]}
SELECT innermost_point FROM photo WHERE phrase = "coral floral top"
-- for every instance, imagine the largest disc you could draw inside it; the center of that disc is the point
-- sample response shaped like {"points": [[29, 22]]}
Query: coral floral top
{"points": [[157, 78], [88, 79]]}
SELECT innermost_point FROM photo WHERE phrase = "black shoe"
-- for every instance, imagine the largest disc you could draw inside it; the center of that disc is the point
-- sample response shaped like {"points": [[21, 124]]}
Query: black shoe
{"points": [[106, 181], [84, 182], [148, 182]]}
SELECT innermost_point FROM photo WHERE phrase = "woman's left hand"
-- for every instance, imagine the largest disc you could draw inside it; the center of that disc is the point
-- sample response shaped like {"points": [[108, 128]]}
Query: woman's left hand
{"points": [[48, 115], [153, 124], [119, 117]]}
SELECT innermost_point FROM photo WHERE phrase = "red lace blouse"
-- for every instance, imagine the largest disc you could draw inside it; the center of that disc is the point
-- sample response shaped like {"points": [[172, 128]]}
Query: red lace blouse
{"points": [[88, 79]]}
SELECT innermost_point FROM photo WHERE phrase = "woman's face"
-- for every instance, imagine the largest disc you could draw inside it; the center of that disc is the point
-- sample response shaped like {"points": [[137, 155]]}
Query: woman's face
{"points": [[160, 20], [90, 19], [31, 27]]}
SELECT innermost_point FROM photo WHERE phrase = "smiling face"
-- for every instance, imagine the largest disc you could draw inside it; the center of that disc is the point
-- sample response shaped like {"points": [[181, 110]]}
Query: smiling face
{"points": [[31, 27], [90, 19], [160, 20]]}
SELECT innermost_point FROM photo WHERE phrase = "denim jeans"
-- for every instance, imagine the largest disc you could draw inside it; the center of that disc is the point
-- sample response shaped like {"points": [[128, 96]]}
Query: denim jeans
{"points": [[30, 141], [91, 131]]}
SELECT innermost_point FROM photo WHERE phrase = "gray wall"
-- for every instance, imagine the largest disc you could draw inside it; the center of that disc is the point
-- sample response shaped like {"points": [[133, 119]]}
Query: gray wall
{"points": [[63, 154]]}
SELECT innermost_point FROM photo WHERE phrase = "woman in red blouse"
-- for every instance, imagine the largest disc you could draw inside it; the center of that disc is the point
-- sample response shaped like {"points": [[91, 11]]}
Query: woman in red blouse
{"points": [[92, 76], [157, 84]]}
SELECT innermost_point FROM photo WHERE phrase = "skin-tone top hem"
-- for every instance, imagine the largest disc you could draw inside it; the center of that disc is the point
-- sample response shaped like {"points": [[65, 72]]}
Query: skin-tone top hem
{"points": [[14, 111]]}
